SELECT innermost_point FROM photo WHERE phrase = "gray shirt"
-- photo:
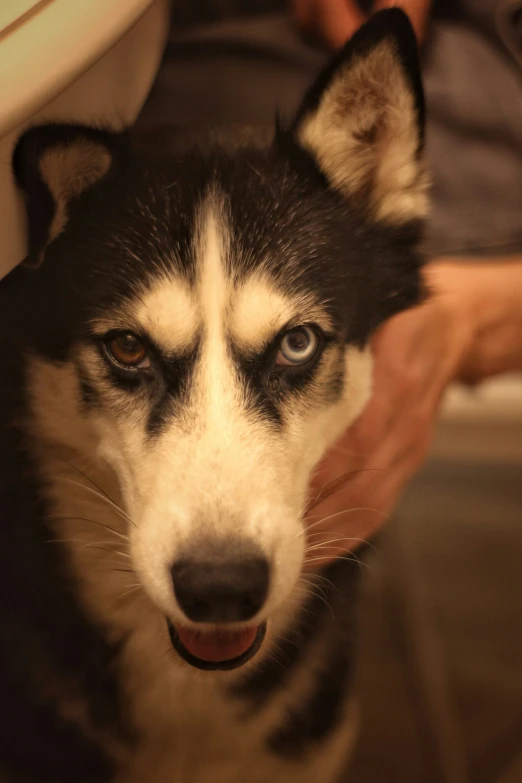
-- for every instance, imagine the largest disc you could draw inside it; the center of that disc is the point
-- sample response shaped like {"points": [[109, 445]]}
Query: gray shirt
{"points": [[240, 60]]}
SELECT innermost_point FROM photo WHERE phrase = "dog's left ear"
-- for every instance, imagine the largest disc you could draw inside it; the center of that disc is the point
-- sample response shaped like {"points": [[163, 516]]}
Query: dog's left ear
{"points": [[53, 166], [363, 120]]}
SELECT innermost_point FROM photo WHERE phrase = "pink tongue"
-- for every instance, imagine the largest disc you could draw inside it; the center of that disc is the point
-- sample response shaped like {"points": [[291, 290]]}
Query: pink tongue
{"points": [[217, 646]]}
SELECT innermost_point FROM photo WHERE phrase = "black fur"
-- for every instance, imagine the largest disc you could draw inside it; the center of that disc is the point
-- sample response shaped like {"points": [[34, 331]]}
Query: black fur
{"points": [[45, 637], [136, 222], [38, 198], [174, 388], [393, 24], [338, 594], [317, 242], [320, 712]]}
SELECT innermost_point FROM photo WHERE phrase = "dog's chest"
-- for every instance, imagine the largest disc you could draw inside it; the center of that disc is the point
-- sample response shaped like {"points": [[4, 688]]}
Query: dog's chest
{"points": [[193, 730], [221, 744]]}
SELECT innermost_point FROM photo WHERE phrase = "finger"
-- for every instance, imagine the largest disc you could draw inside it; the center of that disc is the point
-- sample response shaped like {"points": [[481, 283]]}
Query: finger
{"points": [[339, 20], [305, 13], [377, 472], [334, 21], [358, 510]]}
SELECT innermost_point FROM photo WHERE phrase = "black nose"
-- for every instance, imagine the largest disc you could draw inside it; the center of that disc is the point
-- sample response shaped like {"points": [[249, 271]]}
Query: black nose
{"points": [[221, 583]]}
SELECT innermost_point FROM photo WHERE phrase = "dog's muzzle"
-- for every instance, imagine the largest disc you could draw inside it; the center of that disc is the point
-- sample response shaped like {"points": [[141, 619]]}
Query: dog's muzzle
{"points": [[221, 586]]}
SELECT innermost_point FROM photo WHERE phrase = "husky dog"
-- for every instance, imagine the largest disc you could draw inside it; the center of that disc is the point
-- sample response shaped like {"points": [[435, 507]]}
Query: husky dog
{"points": [[187, 337]]}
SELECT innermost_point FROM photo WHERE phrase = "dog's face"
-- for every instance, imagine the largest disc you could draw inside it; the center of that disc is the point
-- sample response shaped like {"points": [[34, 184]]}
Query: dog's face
{"points": [[205, 315]]}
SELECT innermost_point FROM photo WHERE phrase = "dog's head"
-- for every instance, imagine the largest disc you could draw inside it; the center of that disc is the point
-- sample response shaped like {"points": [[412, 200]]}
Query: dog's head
{"points": [[206, 312]]}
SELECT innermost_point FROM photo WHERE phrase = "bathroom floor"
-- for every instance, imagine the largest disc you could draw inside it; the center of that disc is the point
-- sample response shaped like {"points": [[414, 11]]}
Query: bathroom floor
{"points": [[441, 657]]}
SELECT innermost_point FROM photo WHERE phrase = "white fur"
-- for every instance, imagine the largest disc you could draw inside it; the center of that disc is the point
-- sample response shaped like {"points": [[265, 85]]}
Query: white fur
{"points": [[364, 135], [215, 469], [169, 312], [259, 311]]}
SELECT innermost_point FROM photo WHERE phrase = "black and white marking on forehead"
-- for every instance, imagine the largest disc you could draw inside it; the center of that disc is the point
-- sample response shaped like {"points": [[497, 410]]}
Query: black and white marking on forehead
{"points": [[276, 226], [218, 329], [330, 208]]}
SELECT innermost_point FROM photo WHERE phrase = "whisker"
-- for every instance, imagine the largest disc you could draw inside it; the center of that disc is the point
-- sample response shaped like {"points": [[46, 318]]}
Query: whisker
{"points": [[313, 516], [329, 558], [320, 534], [333, 544], [335, 485], [345, 511], [322, 598], [319, 593], [302, 592], [328, 542], [315, 588], [328, 582], [88, 545], [287, 639], [325, 558], [94, 522], [122, 554], [119, 510], [276, 655], [361, 541], [103, 492], [133, 589]]}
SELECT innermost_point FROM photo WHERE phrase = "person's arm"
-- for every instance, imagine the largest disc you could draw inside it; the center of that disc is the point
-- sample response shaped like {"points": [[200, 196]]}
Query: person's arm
{"points": [[334, 21], [470, 328], [494, 292]]}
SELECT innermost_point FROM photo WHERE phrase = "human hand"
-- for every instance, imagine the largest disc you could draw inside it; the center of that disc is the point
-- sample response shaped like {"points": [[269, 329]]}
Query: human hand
{"points": [[416, 355], [334, 21]]}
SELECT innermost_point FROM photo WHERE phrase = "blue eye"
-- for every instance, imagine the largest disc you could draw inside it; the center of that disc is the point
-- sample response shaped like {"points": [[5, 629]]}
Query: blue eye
{"points": [[297, 346]]}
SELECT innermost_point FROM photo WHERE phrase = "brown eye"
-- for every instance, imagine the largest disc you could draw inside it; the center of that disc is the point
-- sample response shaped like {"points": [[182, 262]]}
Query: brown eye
{"points": [[126, 350]]}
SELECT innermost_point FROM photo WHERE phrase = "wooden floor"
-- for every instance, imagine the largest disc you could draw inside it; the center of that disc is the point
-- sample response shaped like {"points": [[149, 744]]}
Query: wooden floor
{"points": [[441, 633]]}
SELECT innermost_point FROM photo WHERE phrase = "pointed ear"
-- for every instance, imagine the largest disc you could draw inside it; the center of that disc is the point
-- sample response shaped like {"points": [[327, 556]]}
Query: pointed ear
{"points": [[363, 120], [53, 166]]}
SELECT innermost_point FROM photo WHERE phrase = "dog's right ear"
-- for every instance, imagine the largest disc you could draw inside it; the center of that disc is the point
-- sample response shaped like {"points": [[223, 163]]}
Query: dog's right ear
{"points": [[54, 165], [363, 120]]}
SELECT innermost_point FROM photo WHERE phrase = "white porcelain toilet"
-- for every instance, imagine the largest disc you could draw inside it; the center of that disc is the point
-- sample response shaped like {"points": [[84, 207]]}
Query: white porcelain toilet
{"points": [[90, 61]]}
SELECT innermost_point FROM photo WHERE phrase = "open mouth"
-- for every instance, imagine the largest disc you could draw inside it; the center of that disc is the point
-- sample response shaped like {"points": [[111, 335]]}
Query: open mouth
{"points": [[222, 649]]}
